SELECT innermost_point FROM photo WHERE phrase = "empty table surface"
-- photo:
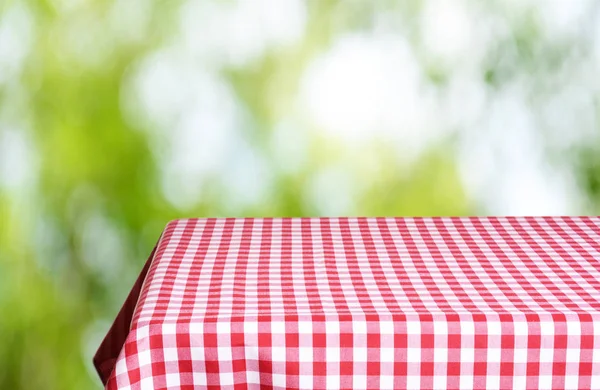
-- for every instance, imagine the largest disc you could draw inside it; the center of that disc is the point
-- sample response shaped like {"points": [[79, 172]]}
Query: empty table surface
{"points": [[354, 303]]}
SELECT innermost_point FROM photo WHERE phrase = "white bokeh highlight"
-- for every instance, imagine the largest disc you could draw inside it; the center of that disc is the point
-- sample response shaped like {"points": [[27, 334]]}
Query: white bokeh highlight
{"points": [[370, 86]]}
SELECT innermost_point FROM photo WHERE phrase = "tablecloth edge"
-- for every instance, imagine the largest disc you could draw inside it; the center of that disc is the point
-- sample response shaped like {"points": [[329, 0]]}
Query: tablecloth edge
{"points": [[110, 347]]}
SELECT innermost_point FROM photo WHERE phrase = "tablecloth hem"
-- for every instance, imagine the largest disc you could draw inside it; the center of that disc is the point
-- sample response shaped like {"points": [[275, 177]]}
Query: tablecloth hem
{"points": [[108, 352]]}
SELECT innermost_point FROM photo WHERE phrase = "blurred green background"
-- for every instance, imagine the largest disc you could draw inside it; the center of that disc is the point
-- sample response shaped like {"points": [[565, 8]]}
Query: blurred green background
{"points": [[117, 116]]}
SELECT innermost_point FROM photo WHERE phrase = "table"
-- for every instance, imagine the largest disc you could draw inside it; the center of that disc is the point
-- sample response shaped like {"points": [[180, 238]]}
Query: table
{"points": [[355, 303]]}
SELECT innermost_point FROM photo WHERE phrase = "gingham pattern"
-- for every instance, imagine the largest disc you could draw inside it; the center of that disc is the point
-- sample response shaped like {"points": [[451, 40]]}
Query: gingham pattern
{"points": [[355, 303]]}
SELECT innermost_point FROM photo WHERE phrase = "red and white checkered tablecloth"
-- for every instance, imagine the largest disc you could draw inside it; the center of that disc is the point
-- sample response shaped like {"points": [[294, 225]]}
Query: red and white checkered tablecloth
{"points": [[356, 303]]}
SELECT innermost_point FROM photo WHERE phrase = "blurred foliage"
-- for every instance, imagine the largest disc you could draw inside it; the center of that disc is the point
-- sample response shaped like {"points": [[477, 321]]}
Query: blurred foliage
{"points": [[75, 234]]}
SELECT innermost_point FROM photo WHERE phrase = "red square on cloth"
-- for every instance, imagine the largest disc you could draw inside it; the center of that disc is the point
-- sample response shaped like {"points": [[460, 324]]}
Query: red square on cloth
{"points": [[332, 303]]}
